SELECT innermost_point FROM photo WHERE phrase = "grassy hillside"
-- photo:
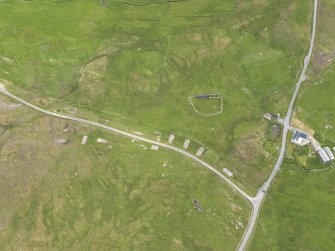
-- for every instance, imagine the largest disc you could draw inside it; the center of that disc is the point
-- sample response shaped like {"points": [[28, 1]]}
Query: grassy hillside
{"points": [[297, 212], [316, 102], [89, 197], [141, 61]]}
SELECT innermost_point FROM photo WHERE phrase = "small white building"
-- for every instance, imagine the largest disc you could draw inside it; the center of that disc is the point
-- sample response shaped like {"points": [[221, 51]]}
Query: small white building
{"points": [[154, 147], [300, 138], [200, 151], [229, 173], [84, 140], [102, 141], [171, 138], [186, 143]]}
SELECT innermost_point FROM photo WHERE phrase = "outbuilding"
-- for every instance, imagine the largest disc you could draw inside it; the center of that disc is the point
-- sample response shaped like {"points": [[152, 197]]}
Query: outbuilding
{"points": [[171, 138], [323, 156], [102, 141], [315, 145], [229, 173], [186, 143], [300, 138], [200, 151], [84, 140], [329, 153]]}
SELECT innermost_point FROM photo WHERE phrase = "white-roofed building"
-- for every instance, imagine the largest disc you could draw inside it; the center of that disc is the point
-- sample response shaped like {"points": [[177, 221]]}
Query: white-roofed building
{"points": [[102, 141], [200, 151], [84, 140], [329, 153], [323, 156], [186, 143], [171, 138], [229, 173]]}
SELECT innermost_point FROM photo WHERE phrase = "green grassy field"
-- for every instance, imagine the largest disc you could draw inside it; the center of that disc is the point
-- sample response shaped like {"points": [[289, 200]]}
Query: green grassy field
{"points": [[139, 61], [316, 103], [88, 197], [133, 65], [317, 108], [298, 212]]}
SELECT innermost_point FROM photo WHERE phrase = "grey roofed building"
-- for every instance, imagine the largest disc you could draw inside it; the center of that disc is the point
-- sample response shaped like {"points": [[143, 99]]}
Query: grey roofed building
{"points": [[202, 96], [274, 116], [329, 153], [323, 156]]}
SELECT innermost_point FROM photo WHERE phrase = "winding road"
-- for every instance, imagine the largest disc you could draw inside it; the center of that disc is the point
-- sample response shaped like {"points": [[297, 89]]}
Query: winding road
{"points": [[129, 135], [255, 201]]}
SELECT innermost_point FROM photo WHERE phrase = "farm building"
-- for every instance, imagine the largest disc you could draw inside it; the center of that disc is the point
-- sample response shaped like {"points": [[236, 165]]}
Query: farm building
{"points": [[84, 140], [300, 138], [186, 143], [315, 145], [229, 173], [202, 96], [207, 96], [102, 141], [171, 138], [275, 116], [329, 153], [200, 151], [271, 116], [323, 156]]}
